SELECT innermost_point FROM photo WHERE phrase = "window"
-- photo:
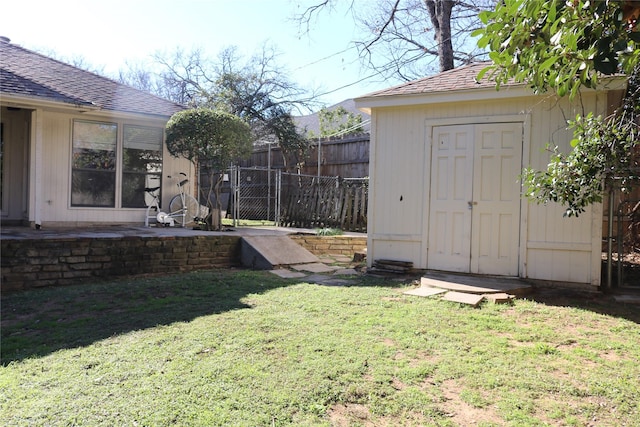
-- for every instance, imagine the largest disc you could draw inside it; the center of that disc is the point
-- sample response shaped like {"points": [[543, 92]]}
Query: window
{"points": [[93, 176], [141, 164], [112, 165]]}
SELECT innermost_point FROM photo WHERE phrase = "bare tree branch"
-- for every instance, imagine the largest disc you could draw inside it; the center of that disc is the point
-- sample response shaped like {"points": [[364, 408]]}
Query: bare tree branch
{"points": [[385, 25], [441, 28]]}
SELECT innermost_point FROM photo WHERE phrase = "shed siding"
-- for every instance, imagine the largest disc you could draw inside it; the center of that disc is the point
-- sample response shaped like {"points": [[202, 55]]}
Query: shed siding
{"points": [[399, 164], [551, 247], [56, 175]]}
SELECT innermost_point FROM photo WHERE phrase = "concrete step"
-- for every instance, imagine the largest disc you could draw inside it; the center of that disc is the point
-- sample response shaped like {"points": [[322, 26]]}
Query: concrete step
{"points": [[472, 284]]}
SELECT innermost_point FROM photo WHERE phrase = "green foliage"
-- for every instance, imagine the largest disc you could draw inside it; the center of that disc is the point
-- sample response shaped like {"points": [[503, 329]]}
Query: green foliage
{"points": [[327, 231], [564, 46], [207, 135], [601, 153], [292, 143], [338, 121], [559, 45]]}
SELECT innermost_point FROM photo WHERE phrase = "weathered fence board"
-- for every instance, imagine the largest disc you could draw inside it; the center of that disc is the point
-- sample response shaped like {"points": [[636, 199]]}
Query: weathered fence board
{"points": [[346, 157], [325, 202]]}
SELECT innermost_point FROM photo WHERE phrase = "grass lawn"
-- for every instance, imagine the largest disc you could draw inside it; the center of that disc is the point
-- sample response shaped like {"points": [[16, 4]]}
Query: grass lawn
{"points": [[245, 348]]}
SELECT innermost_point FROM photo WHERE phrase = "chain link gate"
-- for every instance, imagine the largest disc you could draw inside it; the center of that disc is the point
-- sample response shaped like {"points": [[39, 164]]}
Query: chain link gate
{"points": [[255, 194]]}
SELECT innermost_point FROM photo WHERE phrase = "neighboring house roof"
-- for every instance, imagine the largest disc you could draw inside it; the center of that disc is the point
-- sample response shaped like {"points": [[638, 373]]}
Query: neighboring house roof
{"points": [[30, 74], [311, 122]]}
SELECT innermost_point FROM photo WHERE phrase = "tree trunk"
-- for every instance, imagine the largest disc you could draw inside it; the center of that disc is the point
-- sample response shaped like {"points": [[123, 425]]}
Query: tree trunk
{"points": [[440, 14], [216, 214]]}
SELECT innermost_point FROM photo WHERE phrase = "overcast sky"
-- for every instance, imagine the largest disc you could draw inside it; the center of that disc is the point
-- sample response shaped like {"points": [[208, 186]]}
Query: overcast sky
{"points": [[108, 34]]}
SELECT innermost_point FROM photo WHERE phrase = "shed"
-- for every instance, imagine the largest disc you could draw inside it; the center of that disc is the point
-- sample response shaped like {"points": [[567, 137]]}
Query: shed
{"points": [[446, 156], [78, 148]]}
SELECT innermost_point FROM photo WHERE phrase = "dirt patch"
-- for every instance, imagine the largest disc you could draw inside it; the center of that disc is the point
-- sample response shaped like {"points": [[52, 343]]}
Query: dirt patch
{"points": [[461, 412], [349, 414]]}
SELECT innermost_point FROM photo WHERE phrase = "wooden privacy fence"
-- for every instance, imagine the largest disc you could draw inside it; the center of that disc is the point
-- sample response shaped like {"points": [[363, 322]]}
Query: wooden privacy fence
{"points": [[347, 157], [319, 202]]}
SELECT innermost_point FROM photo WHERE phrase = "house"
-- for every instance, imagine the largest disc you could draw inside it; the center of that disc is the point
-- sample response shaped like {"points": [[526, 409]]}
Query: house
{"points": [[446, 155], [79, 148]]}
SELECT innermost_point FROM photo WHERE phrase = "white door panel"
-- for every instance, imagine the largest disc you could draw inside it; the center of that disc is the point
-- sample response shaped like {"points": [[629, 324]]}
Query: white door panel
{"points": [[475, 198], [450, 217]]}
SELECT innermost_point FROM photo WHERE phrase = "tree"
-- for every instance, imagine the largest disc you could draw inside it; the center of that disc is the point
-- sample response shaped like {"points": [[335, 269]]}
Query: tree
{"points": [[338, 121], [212, 139], [410, 34], [293, 144], [257, 90], [565, 46]]}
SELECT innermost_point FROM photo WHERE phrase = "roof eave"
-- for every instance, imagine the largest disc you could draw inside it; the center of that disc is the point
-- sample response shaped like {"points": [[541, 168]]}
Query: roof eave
{"points": [[480, 94], [31, 102], [117, 114], [35, 102], [366, 103]]}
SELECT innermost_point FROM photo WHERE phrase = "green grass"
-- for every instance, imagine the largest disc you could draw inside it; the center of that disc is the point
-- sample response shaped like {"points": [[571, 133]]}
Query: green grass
{"points": [[327, 231], [246, 348], [247, 222]]}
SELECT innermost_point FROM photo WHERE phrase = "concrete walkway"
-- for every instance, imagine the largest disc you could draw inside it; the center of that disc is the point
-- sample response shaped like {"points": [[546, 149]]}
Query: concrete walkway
{"points": [[116, 231]]}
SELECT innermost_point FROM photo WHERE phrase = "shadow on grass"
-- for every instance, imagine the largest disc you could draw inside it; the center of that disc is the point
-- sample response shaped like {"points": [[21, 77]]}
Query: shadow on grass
{"points": [[597, 302], [41, 321]]}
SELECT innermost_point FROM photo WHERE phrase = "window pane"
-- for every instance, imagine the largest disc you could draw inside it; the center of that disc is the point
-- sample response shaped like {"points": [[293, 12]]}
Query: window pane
{"points": [[133, 189], [142, 164], [93, 164], [93, 188]]}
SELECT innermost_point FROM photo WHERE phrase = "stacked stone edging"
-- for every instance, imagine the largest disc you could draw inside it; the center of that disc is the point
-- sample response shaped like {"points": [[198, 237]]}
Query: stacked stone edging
{"points": [[331, 245], [33, 263], [30, 263]]}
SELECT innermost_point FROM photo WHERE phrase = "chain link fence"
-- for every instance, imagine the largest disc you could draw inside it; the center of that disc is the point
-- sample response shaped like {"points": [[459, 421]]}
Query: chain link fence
{"points": [[255, 194], [296, 200]]}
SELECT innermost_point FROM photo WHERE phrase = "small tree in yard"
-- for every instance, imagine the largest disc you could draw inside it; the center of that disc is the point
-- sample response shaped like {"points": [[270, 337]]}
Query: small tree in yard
{"points": [[213, 139]]}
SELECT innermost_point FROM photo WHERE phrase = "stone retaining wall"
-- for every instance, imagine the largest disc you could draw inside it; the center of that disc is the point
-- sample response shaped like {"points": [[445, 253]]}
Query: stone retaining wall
{"points": [[321, 245], [30, 263]]}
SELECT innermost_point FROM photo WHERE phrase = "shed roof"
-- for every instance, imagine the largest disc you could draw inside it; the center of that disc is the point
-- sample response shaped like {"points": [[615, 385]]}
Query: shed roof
{"points": [[460, 85], [30, 74], [456, 79]]}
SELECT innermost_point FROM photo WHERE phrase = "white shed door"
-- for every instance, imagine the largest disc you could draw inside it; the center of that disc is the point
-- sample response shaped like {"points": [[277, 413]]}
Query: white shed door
{"points": [[474, 213]]}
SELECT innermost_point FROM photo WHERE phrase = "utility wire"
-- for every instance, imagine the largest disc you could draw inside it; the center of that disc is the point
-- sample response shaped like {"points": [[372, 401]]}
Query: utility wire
{"points": [[322, 59], [354, 127]]}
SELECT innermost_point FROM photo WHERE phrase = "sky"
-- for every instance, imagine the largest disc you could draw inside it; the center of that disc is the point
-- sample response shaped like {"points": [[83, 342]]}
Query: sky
{"points": [[108, 35]]}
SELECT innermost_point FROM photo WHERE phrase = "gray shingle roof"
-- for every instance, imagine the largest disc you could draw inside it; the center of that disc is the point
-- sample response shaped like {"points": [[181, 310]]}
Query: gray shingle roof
{"points": [[27, 73], [457, 79]]}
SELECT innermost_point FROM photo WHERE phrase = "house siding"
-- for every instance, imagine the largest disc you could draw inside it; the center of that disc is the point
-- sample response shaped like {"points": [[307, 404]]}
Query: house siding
{"points": [[552, 247], [55, 184]]}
